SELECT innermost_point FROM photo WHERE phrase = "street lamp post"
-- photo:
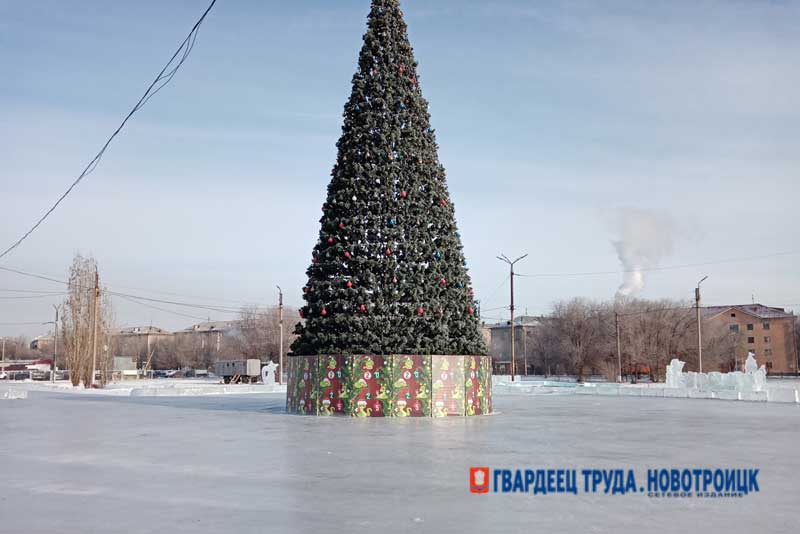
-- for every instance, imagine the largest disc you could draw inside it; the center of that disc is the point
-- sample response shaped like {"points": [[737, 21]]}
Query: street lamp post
{"points": [[505, 259], [699, 324], [280, 340]]}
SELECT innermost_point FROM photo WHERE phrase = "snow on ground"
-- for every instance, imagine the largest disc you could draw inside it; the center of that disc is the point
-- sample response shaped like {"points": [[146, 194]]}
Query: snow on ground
{"points": [[147, 387], [237, 463]]}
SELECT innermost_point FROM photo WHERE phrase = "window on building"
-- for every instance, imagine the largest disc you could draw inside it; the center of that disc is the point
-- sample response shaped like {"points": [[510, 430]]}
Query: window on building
{"points": [[734, 328], [765, 324], [767, 352], [733, 315], [750, 326], [751, 340], [769, 365], [766, 339]]}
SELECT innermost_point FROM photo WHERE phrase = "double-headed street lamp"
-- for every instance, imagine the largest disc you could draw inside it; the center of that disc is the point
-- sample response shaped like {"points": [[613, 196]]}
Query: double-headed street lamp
{"points": [[505, 259]]}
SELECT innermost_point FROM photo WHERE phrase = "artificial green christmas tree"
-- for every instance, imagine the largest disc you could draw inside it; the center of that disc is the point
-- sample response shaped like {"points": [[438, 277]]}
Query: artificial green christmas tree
{"points": [[388, 274]]}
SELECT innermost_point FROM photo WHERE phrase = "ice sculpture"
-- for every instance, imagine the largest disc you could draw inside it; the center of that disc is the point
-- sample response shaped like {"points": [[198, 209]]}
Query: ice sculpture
{"points": [[753, 379], [268, 373], [674, 372]]}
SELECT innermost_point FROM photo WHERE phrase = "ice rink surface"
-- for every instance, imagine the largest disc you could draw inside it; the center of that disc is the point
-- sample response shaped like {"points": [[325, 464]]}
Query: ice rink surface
{"points": [[238, 464]]}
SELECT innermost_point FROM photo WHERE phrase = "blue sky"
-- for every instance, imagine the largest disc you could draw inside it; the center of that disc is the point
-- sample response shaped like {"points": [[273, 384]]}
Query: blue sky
{"points": [[552, 118]]}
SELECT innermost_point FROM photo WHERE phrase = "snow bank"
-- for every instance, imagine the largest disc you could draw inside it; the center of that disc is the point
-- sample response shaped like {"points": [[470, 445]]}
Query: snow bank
{"points": [[13, 394], [151, 388], [775, 391]]}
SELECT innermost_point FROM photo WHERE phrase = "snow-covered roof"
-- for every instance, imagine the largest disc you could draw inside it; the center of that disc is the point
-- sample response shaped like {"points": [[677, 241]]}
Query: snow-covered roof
{"points": [[140, 330], [756, 310], [212, 326]]}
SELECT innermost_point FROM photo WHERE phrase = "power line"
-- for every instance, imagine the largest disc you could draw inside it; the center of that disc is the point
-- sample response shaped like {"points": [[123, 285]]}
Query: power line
{"points": [[27, 297], [163, 78], [163, 309], [36, 291], [666, 268]]}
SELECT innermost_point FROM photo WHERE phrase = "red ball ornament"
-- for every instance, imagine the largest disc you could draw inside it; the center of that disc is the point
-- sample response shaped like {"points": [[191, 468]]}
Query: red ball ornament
{"points": [[388, 252], [363, 308], [346, 254], [302, 316], [402, 70], [443, 202], [420, 311], [324, 312], [471, 311], [341, 226], [330, 240], [443, 281], [349, 284], [314, 259], [471, 292], [403, 194]]}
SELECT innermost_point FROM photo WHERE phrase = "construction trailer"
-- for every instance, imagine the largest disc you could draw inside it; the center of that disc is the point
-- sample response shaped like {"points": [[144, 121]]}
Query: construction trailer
{"points": [[239, 371]]}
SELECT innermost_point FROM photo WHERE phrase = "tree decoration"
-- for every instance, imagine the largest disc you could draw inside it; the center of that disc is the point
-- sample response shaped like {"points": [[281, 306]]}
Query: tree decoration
{"points": [[406, 258]]}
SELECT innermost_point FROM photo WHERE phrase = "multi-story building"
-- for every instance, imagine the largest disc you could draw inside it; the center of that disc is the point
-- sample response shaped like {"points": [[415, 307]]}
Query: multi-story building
{"points": [[498, 339], [764, 331], [137, 342]]}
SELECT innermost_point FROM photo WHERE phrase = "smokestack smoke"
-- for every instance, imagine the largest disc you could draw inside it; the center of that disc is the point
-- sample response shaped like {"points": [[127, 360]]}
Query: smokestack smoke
{"points": [[645, 238]]}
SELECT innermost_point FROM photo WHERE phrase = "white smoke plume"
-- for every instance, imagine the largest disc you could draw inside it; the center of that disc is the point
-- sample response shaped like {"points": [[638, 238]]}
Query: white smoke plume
{"points": [[644, 239]]}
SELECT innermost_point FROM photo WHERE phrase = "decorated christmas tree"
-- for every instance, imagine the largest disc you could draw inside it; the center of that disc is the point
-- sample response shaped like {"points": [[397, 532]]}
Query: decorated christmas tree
{"points": [[388, 274]]}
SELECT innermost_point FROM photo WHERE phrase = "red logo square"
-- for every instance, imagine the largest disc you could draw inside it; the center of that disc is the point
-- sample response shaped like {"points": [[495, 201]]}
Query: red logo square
{"points": [[479, 479]]}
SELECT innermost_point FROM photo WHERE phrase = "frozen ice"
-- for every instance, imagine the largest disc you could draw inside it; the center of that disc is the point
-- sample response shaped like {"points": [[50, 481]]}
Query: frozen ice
{"points": [[238, 463]]}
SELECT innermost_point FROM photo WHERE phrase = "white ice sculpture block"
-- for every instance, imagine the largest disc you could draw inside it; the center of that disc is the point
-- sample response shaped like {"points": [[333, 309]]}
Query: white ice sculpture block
{"points": [[760, 379], [715, 380], [750, 365], [674, 371], [268, 373], [744, 382], [781, 395]]}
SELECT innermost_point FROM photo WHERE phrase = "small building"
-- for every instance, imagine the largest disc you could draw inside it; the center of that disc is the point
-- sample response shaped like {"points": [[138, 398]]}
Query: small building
{"points": [[764, 331]]}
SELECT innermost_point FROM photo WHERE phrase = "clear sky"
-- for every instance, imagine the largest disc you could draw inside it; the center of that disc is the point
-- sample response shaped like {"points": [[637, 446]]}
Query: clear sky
{"points": [[556, 121]]}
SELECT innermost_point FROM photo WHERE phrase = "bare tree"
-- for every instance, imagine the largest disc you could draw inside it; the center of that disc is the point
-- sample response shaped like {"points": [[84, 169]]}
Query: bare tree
{"points": [[78, 323], [258, 334], [583, 327]]}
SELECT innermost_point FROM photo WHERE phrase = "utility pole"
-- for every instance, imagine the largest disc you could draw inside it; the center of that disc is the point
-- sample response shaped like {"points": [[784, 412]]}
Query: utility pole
{"points": [[4, 349], [94, 325], [699, 324], [280, 344], [619, 348], [55, 346], [505, 259]]}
